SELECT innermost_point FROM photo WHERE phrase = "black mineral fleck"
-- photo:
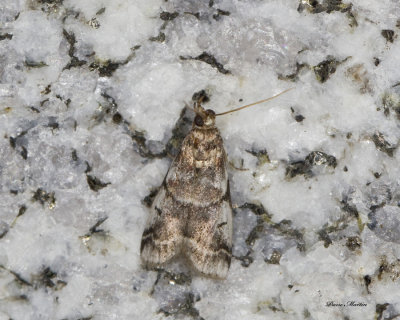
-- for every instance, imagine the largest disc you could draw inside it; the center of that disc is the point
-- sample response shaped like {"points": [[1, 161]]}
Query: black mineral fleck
{"points": [[328, 6], [266, 225], [325, 69], [367, 281], [261, 155], [324, 236], [168, 16], [285, 228], [388, 35], [182, 300], [21, 210], [106, 68], [159, 38], [353, 243], [4, 36], [183, 307], [51, 1], [379, 309], [298, 168], [18, 278], [382, 145], [321, 158], [24, 153], [295, 75], [74, 155], [43, 197], [100, 11], [391, 102], [246, 260], [179, 132], [36, 110], [336, 5], [255, 233], [209, 59], [48, 278], [304, 167], [35, 64], [257, 209], [217, 16], [349, 208], [95, 227], [313, 6], [177, 278], [46, 90], [95, 183], [4, 228], [70, 37], [274, 258], [53, 124], [74, 61], [148, 200], [141, 144]]}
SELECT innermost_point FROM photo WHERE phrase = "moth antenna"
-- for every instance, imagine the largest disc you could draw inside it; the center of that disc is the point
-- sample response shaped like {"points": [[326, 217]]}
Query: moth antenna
{"points": [[189, 107], [254, 103], [197, 104]]}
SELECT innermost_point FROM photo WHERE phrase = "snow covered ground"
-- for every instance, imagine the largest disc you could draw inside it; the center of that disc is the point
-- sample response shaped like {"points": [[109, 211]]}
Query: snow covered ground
{"points": [[92, 98]]}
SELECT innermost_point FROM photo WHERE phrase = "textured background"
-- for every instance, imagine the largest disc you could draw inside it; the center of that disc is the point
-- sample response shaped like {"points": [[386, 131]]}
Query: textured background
{"points": [[92, 95]]}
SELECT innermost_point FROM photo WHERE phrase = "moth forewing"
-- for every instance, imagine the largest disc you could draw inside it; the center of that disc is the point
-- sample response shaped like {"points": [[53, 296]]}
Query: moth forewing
{"points": [[161, 239], [210, 247]]}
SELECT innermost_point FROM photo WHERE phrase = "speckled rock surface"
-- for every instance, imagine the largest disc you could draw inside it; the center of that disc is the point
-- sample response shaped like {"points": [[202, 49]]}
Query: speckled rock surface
{"points": [[92, 98]]}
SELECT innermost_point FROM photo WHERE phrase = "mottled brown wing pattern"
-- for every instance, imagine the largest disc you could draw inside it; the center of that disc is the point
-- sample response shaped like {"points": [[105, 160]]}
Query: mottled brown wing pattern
{"points": [[192, 212], [209, 243], [162, 238]]}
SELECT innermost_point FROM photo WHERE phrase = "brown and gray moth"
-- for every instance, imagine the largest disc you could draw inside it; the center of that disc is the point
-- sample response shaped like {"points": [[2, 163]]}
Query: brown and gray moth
{"points": [[192, 213]]}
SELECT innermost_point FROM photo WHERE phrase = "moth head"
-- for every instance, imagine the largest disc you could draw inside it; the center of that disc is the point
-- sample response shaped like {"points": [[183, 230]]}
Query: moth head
{"points": [[204, 118]]}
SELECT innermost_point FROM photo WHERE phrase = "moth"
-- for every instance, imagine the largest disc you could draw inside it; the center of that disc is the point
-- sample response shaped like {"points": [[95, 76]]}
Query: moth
{"points": [[191, 214]]}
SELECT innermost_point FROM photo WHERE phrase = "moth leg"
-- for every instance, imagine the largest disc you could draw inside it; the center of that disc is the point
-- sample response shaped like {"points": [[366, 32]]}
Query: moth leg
{"points": [[209, 246], [162, 237]]}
